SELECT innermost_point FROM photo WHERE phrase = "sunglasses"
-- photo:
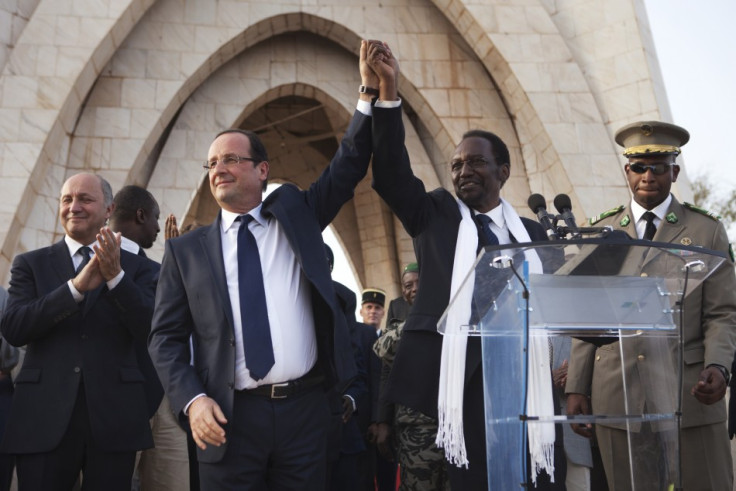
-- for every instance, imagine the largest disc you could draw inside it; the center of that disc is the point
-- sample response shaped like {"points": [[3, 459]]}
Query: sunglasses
{"points": [[657, 169]]}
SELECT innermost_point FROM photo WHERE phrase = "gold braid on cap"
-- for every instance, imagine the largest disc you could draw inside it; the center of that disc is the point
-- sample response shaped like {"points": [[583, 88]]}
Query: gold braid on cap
{"points": [[653, 148]]}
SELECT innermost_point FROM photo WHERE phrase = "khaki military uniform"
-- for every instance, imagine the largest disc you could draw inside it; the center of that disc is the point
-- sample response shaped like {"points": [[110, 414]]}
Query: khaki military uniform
{"points": [[709, 338]]}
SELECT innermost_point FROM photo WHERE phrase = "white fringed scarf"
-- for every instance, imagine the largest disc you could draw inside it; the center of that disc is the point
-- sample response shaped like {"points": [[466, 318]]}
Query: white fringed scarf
{"points": [[450, 434]]}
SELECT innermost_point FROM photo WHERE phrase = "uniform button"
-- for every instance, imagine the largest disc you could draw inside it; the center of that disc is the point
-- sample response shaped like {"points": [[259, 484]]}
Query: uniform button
{"points": [[598, 358], [639, 332], [644, 275], [641, 357], [77, 369]]}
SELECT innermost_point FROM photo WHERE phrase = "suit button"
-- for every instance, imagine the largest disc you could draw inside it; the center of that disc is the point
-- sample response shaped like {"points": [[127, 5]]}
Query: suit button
{"points": [[84, 336], [641, 357], [77, 369], [231, 386], [232, 341]]}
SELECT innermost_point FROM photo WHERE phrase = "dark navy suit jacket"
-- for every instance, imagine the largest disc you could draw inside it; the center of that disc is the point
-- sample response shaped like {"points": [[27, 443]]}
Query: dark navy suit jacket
{"points": [[69, 344], [192, 297]]}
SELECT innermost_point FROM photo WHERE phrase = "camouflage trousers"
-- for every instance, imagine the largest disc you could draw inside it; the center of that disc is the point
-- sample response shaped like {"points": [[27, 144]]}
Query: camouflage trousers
{"points": [[423, 465]]}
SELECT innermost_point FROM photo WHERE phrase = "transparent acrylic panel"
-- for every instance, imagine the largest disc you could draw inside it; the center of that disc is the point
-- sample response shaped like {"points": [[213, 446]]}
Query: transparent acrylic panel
{"points": [[620, 295]]}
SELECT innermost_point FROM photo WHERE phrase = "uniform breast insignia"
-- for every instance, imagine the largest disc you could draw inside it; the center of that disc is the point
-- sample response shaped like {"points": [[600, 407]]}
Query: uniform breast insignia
{"points": [[605, 214], [714, 216], [686, 241], [625, 221], [671, 218]]}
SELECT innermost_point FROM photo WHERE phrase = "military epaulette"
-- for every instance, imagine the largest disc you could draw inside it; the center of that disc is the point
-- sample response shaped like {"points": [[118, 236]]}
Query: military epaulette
{"points": [[714, 216], [606, 214]]}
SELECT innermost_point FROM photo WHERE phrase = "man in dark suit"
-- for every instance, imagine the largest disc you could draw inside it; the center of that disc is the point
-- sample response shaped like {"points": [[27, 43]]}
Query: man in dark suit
{"points": [[165, 467], [479, 168], [255, 396], [79, 402]]}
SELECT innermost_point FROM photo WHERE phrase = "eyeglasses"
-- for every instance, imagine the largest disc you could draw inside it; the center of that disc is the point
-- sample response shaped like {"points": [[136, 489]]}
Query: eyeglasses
{"points": [[474, 163], [227, 161], [657, 169]]}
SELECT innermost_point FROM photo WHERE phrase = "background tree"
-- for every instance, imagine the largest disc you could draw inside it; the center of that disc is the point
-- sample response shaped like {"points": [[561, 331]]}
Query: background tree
{"points": [[724, 203]]}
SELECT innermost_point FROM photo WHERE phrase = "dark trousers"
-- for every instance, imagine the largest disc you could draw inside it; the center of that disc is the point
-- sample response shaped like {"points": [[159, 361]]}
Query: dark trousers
{"points": [[275, 444], [59, 469]]}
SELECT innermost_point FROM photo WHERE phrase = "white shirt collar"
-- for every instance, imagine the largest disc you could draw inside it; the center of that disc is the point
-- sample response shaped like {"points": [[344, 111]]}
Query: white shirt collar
{"points": [[128, 245], [660, 210], [228, 217], [74, 246], [496, 216]]}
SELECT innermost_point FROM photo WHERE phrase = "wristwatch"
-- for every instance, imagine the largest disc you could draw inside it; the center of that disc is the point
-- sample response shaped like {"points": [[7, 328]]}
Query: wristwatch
{"points": [[722, 370], [364, 89]]}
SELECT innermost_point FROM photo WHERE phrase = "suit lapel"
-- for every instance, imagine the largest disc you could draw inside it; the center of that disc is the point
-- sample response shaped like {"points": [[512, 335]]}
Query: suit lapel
{"points": [[667, 232], [61, 261], [210, 241]]}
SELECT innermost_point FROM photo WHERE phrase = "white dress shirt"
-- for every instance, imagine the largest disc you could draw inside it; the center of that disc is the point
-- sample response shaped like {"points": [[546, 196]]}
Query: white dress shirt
{"points": [[498, 224], [638, 211], [288, 300]]}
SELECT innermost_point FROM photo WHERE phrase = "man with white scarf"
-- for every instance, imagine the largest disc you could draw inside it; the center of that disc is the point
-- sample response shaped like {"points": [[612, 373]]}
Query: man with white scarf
{"points": [[445, 237]]}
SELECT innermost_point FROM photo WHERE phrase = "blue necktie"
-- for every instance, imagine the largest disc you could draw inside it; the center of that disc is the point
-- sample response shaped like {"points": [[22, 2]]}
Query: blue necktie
{"points": [[253, 311], [487, 238]]}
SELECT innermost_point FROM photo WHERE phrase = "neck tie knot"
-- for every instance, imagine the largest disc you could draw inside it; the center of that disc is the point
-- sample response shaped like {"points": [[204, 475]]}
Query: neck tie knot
{"points": [[486, 237], [86, 254]]}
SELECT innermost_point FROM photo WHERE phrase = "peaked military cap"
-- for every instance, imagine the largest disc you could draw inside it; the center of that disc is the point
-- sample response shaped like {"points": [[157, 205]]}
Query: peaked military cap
{"points": [[651, 137], [374, 295], [411, 268]]}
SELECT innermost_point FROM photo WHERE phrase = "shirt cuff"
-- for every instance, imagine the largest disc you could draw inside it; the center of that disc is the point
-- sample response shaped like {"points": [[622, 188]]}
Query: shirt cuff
{"points": [[388, 104], [115, 281], [186, 408], [78, 297], [352, 401], [365, 107]]}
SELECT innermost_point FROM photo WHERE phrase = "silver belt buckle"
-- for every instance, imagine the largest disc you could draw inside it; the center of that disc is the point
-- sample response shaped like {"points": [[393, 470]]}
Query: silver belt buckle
{"points": [[273, 390]]}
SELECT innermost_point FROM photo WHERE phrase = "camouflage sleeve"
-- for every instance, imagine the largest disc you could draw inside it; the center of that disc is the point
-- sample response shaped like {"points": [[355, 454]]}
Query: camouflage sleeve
{"points": [[386, 345]]}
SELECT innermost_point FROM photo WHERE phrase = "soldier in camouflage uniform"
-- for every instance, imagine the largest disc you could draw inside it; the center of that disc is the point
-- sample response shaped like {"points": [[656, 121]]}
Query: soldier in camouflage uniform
{"points": [[422, 464]]}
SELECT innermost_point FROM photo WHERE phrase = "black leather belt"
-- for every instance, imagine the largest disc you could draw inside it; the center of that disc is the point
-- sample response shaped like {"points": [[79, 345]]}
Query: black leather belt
{"points": [[286, 389]]}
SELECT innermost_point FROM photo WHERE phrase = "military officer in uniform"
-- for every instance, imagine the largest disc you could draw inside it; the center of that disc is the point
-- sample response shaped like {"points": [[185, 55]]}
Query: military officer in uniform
{"points": [[651, 148]]}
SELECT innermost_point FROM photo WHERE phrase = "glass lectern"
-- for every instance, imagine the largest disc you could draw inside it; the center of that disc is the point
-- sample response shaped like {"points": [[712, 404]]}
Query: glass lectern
{"points": [[622, 296]]}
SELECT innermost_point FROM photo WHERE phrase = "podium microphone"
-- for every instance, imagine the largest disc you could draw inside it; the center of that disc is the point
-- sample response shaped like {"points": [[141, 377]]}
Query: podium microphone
{"points": [[564, 208], [538, 205]]}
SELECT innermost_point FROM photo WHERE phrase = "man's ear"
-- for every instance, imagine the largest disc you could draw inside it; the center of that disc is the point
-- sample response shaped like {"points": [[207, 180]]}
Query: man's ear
{"points": [[504, 172], [140, 216]]}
